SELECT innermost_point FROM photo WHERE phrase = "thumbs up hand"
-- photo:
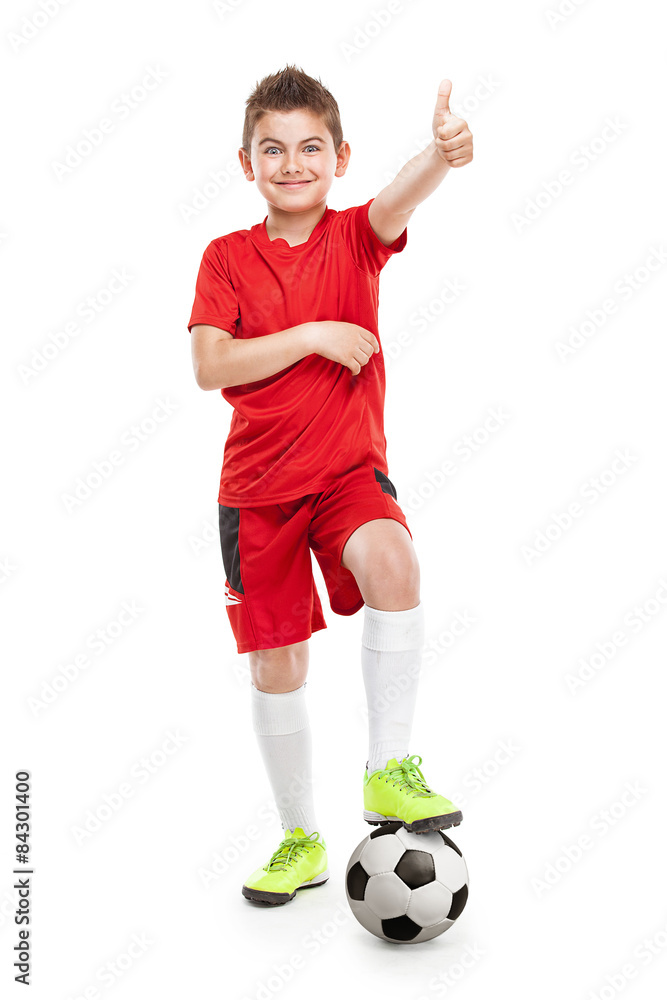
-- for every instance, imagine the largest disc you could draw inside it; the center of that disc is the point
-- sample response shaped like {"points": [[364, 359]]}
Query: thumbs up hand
{"points": [[453, 138]]}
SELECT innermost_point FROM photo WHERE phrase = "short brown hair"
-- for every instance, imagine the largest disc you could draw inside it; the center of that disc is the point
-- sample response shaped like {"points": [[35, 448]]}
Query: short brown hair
{"points": [[289, 90]]}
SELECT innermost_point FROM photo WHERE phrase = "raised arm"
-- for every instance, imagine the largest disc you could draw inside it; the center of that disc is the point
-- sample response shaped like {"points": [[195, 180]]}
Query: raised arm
{"points": [[391, 209]]}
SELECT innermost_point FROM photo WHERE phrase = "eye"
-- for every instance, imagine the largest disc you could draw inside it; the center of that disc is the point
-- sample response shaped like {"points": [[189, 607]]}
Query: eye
{"points": [[316, 148], [270, 148]]}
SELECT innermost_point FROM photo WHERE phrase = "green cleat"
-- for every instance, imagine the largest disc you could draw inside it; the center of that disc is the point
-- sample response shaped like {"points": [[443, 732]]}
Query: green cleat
{"points": [[399, 792], [299, 863]]}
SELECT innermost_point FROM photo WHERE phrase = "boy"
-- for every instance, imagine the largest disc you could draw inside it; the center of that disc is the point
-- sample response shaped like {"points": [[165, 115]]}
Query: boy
{"points": [[285, 324]]}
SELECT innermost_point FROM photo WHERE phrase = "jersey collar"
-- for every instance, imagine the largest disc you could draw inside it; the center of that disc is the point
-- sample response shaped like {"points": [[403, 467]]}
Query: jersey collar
{"points": [[262, 236]]}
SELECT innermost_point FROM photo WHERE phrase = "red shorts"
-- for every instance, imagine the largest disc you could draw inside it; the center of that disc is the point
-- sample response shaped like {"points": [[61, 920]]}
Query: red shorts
{"points": [[270, 591]]}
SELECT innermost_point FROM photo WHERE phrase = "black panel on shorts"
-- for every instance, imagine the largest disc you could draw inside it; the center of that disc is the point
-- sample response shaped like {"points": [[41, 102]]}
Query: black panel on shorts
{"points": [[228, 518], [386, 484]]}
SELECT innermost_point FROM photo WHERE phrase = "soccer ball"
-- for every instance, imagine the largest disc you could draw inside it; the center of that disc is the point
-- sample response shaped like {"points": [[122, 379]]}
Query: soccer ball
{"points": [[406, 887]]}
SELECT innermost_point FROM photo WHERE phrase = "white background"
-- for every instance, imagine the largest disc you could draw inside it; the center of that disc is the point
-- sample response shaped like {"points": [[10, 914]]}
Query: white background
{"points": [[538, 93]]}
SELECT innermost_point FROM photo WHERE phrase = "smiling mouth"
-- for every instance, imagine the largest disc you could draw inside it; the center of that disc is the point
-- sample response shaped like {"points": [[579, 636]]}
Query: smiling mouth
{"points": [[292, 183]]}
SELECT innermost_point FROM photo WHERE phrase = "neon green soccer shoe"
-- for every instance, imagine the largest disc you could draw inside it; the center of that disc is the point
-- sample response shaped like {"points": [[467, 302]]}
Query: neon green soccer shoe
{"points": [[399, 792], [299, 863]]}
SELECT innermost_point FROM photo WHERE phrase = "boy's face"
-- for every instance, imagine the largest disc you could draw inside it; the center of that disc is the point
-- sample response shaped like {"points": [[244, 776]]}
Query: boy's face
{"points": [[293, 159]]}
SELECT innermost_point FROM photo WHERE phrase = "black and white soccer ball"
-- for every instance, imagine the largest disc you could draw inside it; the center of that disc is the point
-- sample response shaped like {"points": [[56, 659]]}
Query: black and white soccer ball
{"points": [[406, 887]]}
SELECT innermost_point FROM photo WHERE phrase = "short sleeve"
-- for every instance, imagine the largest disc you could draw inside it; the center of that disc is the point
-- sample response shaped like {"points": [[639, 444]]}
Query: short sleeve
{"points": [[367, 250], [215, 301]]}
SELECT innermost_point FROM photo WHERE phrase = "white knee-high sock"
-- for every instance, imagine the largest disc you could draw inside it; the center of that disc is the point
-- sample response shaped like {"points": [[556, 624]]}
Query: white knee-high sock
{"points": [[281, 724], [391, 652]]}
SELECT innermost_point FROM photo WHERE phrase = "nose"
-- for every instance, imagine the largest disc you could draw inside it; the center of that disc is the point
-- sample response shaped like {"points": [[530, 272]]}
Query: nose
{"points": [[292, 164]]}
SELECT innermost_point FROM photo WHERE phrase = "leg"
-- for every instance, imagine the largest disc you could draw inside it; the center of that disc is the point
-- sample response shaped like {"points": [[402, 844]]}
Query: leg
{"points": [[278, 670], [282, 727], [271, 598], [381, 556]]}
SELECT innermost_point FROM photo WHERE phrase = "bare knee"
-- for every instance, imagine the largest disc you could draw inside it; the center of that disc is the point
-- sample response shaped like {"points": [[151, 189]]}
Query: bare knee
{"points": [[381, 556], [393, 580], [281, 669], [388, 577]]}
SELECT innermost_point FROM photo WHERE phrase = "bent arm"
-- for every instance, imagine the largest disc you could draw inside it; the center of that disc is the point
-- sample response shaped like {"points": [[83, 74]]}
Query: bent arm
{"points": [[220, 361]]}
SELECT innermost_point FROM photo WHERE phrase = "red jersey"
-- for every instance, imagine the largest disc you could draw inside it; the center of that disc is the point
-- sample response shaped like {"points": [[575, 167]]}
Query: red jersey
{"points": [[294, 432]]}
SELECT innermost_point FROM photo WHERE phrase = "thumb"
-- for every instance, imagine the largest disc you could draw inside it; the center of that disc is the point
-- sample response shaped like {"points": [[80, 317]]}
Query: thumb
{"points": [[442, 104]]}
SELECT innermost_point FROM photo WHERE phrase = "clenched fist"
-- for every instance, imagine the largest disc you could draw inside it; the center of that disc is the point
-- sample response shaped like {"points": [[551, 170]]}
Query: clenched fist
{"points": [[346, 343], [453, 138]]}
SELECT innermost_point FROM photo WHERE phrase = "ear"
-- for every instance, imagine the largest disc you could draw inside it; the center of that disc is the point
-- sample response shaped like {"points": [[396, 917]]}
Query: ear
{"points": [[342, 158], [246, 164]]}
